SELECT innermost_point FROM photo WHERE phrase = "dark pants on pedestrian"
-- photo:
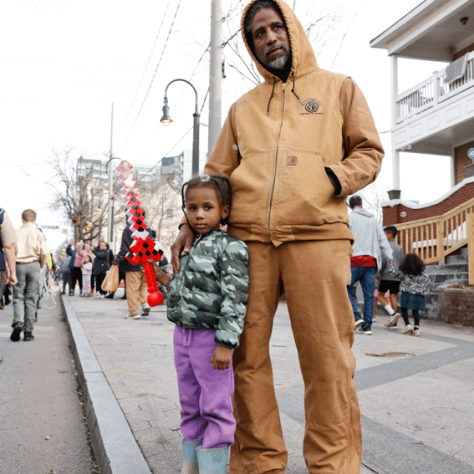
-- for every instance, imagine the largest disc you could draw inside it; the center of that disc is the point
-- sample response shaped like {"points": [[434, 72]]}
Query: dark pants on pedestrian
{"points": [[66, 274], [98, 283], [416, 316], [76, 275]]}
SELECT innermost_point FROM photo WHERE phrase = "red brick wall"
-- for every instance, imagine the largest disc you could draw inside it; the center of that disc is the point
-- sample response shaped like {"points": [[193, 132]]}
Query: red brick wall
{"points": [[457, 306], [391, 215]]}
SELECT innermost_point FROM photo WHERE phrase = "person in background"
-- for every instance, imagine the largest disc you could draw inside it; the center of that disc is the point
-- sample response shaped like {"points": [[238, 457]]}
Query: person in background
{"points": [[101, 267], [414, 284], [88, 251], [66, 272], [387, 281], [75, 265], [8, 239], [369, 248], [86, 276], [135, 281], [32, 252]]}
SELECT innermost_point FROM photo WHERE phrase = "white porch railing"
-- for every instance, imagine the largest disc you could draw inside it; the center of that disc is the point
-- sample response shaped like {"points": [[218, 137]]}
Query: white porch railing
{"points": [[432, 91]]}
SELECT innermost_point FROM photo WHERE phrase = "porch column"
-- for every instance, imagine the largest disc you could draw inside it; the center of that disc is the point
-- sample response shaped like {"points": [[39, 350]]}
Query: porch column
{"points": [[452, 167], [395, 193]]}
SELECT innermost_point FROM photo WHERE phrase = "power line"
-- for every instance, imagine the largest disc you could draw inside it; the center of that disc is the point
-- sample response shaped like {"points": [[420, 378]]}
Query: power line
{"points": [[146, 67], [154, 74]]}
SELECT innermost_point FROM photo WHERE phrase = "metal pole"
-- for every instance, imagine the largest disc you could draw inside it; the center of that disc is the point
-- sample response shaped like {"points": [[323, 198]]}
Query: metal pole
{"points": [[215, 74], [196, 144], [110, 214]]}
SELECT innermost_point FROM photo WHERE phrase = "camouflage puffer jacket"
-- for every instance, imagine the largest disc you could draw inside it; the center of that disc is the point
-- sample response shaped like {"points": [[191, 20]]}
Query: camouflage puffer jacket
{"points": [[211, 288]]}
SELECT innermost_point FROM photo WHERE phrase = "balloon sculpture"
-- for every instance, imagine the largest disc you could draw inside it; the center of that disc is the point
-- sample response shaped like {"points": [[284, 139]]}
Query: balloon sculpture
{"points": [[143, 247]]}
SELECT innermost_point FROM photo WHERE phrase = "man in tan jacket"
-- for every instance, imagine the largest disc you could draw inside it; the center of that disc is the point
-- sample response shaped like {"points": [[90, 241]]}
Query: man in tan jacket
{"points": [[294, 148], [31, 254]]}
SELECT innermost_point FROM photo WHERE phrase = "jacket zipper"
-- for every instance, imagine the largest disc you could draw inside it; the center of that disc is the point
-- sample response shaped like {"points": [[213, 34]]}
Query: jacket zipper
{"points": [[283, 86]]}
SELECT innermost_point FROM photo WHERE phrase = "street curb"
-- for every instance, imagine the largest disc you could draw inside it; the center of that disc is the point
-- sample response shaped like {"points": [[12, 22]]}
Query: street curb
{"points": [[114, 445]]}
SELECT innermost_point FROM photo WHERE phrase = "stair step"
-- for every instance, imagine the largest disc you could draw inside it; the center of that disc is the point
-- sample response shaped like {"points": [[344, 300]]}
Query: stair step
{"points": [[456, 259], [450, 268]]}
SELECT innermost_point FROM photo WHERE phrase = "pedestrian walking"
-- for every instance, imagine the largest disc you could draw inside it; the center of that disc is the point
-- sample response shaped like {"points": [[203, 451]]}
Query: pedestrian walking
{"points": [[414, 285], [8, 239], [207, 300], [370, 246], [294, 148], [31, 256], [388, 283], [86, 276], [135, 281], [101, 267]]}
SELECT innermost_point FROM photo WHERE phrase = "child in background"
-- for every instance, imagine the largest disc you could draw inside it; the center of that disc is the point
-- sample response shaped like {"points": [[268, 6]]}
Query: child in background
{"points": [[207, 300], [86, 275], [413, 286]]}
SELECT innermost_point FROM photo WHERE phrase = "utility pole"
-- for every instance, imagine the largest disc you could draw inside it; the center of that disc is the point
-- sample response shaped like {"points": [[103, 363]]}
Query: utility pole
{"points": [[110, 214], [215, 74]]}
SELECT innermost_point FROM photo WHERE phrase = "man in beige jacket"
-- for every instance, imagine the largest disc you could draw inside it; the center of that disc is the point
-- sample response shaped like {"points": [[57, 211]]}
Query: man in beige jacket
{"points": [[294, 148], [31, 254]]}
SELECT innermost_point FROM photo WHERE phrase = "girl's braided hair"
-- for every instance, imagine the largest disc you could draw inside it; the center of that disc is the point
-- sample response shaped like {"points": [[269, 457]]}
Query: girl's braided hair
{"points": [[219, 183], [412, 265]]}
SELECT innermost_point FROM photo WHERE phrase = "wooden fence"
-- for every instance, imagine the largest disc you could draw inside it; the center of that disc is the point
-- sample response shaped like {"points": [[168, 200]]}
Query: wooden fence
{"points": [[434, 238]]}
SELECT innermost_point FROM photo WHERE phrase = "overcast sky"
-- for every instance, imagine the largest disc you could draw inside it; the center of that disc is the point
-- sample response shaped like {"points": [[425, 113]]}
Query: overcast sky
{"points": [[64, 63]]}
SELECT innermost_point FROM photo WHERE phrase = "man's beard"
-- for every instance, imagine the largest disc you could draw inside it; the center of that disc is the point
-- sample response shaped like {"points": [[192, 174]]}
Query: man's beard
{"points": [[278, 65]]}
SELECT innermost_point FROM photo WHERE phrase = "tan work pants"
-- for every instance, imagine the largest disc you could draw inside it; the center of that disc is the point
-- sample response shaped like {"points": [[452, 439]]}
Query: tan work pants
{"points": [[137, 290], [314, 275]]}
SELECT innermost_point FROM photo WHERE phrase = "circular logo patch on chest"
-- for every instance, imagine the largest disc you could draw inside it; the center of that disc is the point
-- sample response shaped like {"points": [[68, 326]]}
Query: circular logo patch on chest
{"points": [[311, 105]]}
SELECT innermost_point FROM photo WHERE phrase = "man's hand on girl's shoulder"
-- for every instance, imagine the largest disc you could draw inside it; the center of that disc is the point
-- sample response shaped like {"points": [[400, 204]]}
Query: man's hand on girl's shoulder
{"points": [[185, 239], [221, 358]]}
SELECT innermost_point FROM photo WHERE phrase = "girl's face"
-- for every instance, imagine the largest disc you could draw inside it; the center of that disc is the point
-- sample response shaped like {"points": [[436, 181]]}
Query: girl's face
{"points": [[204, 209], [87, 259]]}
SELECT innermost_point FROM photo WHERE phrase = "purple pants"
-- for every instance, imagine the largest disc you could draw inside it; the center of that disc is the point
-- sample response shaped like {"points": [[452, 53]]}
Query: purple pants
{"points": [[205, 393]]}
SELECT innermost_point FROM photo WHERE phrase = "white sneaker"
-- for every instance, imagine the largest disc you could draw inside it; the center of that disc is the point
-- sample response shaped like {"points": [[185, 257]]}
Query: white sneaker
{"points": [[358, 323], [137, 316], [393, 319], [146, 310]]}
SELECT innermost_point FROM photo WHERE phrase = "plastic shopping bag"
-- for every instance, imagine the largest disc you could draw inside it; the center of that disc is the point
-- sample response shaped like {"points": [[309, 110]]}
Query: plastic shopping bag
{"points": [[111, 280]]}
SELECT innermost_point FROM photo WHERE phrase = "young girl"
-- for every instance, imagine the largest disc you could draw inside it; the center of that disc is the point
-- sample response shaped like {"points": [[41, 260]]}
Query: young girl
{"points": [[86, 275], [207, 300], [413, 286]]}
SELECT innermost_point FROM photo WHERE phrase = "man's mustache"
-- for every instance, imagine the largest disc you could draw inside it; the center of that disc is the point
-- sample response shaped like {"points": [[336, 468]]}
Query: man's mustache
{"points": [[274, 48]]}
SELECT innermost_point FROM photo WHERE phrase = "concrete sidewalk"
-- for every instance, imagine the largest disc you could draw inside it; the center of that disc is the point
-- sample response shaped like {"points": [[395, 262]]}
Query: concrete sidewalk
{"points": [[417, 412]]}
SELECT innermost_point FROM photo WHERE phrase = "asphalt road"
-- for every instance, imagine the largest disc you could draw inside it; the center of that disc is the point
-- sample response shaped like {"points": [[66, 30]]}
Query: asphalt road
{"points": [[42, 430]]}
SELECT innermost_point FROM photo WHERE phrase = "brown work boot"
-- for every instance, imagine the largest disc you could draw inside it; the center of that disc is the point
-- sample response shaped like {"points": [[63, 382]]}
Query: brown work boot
{"points": [[92, 293], [275, 471]]}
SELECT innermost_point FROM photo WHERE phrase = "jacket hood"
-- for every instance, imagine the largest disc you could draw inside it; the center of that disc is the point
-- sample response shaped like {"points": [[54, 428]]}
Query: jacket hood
{"points": [[363, 212], [303, 58]]}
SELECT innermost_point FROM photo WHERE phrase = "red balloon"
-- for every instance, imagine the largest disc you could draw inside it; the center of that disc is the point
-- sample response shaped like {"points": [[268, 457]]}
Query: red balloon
{"points": [[155, 298]]}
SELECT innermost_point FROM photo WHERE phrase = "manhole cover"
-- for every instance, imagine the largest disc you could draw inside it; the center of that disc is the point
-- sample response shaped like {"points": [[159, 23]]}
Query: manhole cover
{"points": [[400, 355]]}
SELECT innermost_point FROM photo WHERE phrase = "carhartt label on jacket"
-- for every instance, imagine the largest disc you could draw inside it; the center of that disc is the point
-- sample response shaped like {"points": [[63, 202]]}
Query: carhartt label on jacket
{"points": [[291, 161]]}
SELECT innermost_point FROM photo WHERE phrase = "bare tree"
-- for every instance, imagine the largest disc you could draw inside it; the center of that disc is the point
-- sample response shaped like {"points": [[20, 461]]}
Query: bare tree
{"points": [[373, 196], [76, 192]]}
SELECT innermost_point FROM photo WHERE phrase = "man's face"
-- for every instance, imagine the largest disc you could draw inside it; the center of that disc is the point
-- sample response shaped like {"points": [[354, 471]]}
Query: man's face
{"points": [[271, 41]]}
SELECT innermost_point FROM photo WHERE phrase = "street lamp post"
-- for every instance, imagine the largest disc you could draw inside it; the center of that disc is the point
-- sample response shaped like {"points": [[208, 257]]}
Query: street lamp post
{"points": [[110, 220], [166, 120]]}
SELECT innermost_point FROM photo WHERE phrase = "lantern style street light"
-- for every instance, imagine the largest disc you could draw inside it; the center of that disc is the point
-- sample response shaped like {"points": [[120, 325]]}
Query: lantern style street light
{"points": [[166, 120]]}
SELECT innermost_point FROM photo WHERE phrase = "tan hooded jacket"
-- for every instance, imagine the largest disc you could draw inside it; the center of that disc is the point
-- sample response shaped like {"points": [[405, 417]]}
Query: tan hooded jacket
{"points": [[276, 159]]}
